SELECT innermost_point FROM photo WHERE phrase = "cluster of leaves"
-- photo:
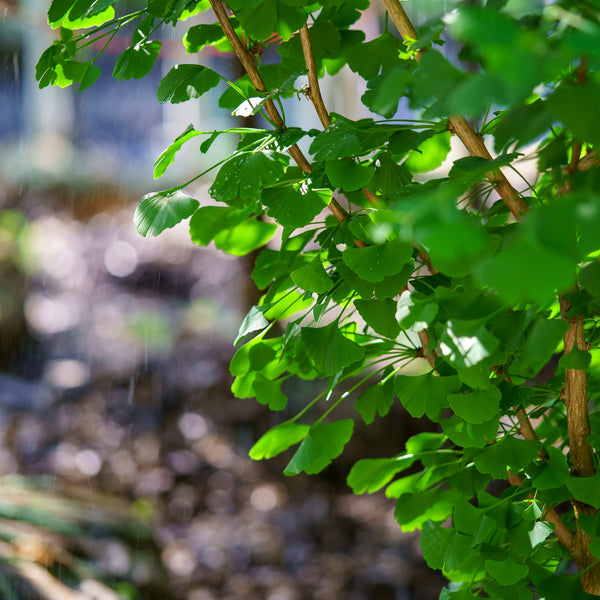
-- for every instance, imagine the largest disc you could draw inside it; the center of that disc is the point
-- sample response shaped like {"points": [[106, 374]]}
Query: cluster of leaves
{"points": [[437, 251]]}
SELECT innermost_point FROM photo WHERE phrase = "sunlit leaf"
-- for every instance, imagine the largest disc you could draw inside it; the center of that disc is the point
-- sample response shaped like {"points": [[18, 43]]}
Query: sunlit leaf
{"points": [[371, 474], [199, 36], [254, 321], [208, 221], [167, 156], [278, 439], [245, 237], [269, 392], [430, 154], [158, 211], [137, 61]]}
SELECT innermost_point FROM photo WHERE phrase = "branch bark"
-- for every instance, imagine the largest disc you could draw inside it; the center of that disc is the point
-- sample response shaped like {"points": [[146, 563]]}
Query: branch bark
{"points": [[459, 125], [576, 400], [314, 89]]}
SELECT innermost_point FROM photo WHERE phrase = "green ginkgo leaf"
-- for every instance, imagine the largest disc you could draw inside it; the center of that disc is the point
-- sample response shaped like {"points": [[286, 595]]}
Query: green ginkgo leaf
{"points": [[506, 572], [380, 315], [241, 179], [425, 394], [374, 263], [167, 156], [158, 211], [348, 175], [278, 439], [371, 474], [184, 82], [329, 350], [136, 62], [245, 237], [254, 322], [269, 392], [444, 548], [378, 399], [293, 206], [337, 141], [478, 406], [313, 277], [324, 442], [507, 453], [586, 489], [208, 221]]}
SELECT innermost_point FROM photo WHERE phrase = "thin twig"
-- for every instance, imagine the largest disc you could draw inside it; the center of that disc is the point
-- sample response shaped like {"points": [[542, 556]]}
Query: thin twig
{"points": [[459, 125], [314, 93], [528, 432], [429, 354], [576, 148]]}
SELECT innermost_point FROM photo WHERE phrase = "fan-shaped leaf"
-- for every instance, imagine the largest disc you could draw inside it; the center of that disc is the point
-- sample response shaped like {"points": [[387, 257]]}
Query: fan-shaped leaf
{"points": [[324, 442], [184, 82], [162, 210]]}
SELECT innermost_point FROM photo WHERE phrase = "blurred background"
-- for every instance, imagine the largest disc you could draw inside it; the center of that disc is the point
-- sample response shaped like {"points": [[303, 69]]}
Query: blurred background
{"points": [[123, 456]]}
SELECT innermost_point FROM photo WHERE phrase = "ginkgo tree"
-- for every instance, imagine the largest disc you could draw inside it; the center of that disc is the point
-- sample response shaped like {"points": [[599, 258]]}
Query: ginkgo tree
{"points": [[383, 262]]}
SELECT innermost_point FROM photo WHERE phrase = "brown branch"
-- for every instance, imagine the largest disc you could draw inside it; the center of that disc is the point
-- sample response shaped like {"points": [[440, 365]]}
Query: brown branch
{"points": [[400, 19], [429, 354], [582, 459], [576, 399], [314, 89], [459, 125], [474, 144], [247, 60], [314, 93], [591, 159], [527, 431]]}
